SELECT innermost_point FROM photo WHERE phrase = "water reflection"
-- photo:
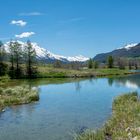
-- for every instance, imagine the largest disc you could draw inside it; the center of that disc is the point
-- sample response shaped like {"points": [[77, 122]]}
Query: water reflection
{"points": [[110, 81], [78, 86], [130, 84], [131, 81], [61, 110]]}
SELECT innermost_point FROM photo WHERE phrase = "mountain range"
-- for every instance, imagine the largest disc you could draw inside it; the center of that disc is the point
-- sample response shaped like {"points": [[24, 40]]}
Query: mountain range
{"points": [[46, 56], [128, 51], [42, 54]]}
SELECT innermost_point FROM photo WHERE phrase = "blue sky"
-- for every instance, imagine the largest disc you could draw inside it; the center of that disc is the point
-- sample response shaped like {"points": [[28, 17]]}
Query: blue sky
{"points": [[72, 27]]}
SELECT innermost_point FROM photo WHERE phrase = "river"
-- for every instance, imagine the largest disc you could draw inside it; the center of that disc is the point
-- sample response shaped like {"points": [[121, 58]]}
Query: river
{"points": [[66, 106]]}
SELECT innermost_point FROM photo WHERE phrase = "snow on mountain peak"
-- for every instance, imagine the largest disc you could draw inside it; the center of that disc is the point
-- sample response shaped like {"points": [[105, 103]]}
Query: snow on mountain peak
{"points": [[44, 54], [129, 46], [79, 58]]}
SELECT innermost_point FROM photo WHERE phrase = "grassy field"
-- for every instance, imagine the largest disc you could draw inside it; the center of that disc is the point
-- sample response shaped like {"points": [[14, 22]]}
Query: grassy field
{"points": [[17, 95], [4, 80], [124, 123], [50, 72]]}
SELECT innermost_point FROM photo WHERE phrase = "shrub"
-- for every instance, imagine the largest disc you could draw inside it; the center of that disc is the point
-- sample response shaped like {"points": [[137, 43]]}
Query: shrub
{"points": [[17, 95]]}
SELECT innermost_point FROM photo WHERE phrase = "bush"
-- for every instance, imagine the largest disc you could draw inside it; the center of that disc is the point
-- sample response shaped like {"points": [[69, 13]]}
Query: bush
{"points": [[18, 95], [110, 62], [3, 69]]}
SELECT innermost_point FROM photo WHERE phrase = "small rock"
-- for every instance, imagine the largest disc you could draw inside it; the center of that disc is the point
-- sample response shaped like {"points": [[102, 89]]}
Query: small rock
{"points": [[3, 110]]}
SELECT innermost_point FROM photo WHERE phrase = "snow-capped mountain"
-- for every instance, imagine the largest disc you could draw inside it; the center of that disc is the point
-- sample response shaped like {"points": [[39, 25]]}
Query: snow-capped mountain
{"points": [[46, 56], [129, 46], [130, 50]]}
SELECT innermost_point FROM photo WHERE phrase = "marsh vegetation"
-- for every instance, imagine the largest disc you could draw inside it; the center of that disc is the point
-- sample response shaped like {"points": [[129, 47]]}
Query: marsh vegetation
{"points": [[17, 95], [124, 123]]}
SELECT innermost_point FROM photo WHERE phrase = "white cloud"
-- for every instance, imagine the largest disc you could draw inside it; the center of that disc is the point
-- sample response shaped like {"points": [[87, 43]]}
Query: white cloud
{"points": [[31, 14], [25, 35], [18, 22]]}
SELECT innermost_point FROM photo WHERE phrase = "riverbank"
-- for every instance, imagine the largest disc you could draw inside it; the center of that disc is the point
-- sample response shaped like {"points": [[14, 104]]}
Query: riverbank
{"points": [[17, 95], [50, 72], [124, 123]]}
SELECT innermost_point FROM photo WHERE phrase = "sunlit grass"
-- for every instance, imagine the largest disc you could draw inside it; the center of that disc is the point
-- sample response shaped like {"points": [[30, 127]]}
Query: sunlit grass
{"points": [[51, 72], [126, 117], [4, 80], [124, 123], [17, 95], [90, 135]]}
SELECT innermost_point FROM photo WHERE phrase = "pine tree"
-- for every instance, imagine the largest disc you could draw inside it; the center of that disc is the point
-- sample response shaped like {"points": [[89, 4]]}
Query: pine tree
{"points": [[1, 52], [110, 62], [30, 56], [130, 64], [12, 60], [96, 65], [3, 66], [90, 63], [18, 56]]}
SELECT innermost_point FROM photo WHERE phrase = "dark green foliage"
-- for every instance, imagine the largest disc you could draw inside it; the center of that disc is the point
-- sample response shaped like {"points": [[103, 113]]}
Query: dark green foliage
{"points": [[96, 65], [3, 66], [3, 69], [136, 66], [12, 72], [110, 81], [18, 56], [15, 59], [130, 65], [90, 63], [2, 52], [30, 58], [110, 62]]}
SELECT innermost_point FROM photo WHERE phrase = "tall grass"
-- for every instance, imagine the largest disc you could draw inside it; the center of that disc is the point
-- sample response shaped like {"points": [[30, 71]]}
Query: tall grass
{"points": [[4, 80], [124, 123], [90, 135], [17, 95], [50, 72]]}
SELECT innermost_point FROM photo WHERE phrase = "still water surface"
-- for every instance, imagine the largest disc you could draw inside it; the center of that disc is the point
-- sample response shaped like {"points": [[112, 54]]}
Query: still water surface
{"points": [[65, 107]]}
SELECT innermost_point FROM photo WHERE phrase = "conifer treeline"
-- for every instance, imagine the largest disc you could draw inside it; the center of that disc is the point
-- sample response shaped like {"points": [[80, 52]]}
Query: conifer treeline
{"points": [[19, 61]]}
